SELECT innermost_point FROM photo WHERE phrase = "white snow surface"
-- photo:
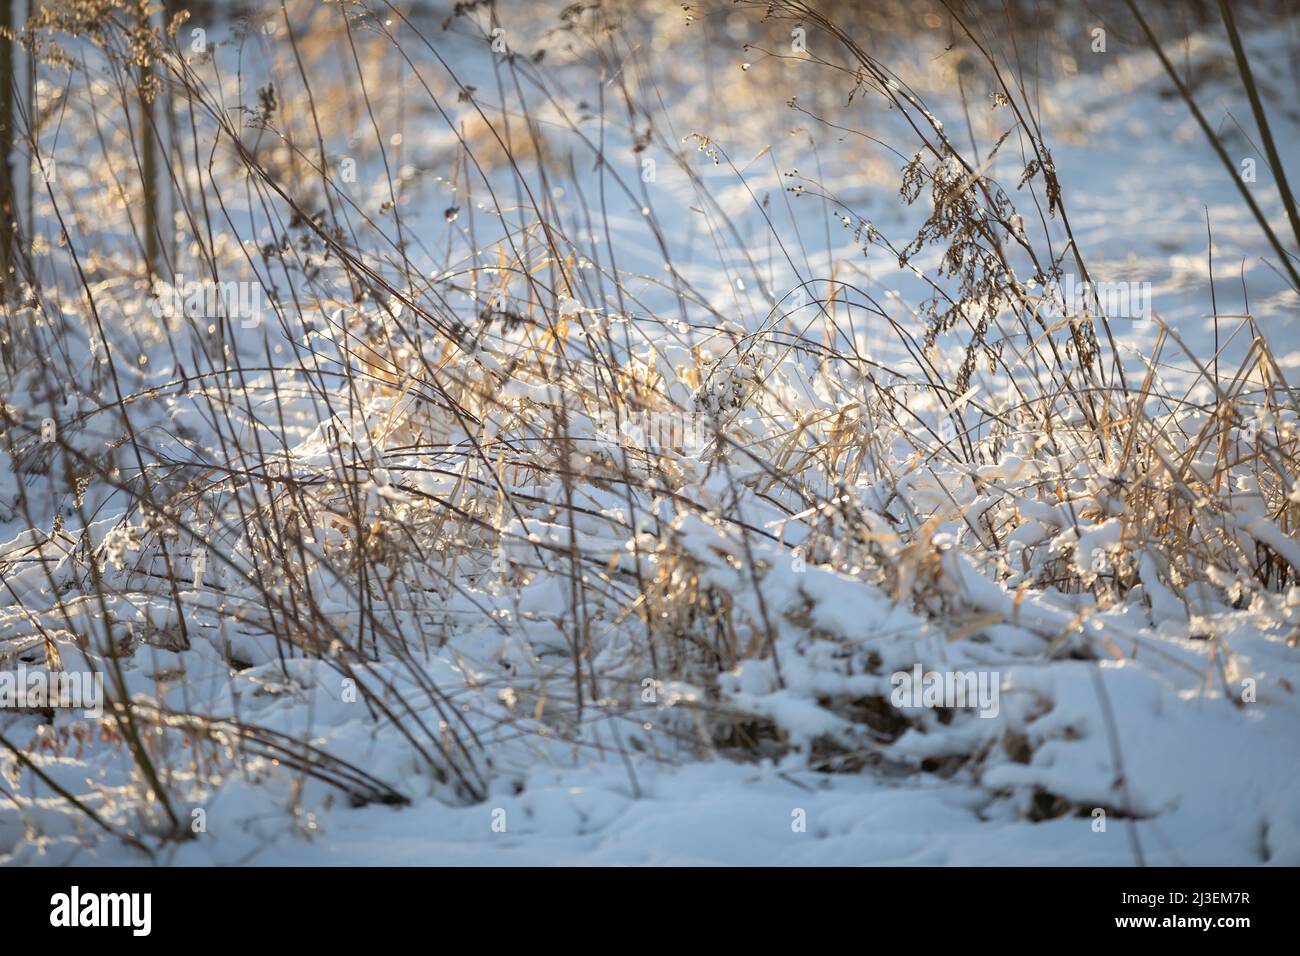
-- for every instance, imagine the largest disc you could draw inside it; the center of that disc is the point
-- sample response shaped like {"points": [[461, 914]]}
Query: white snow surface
{"points": [[1152, 731]]}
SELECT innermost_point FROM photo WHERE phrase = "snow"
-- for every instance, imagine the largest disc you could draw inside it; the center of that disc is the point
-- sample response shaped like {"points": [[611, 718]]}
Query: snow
{"points": [[444, 719]]}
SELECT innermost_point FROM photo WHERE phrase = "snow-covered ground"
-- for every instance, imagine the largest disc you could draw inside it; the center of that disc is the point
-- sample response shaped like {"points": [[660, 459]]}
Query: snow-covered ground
{"points": [[429, 713]]}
